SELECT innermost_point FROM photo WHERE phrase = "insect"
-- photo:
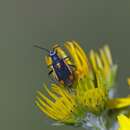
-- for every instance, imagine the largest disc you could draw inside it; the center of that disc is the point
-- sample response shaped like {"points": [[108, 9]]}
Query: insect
{"points": [[59, 65]]}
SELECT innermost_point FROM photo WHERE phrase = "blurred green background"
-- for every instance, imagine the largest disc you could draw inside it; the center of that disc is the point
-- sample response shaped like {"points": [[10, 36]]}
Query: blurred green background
{"points": [[24, 23]]}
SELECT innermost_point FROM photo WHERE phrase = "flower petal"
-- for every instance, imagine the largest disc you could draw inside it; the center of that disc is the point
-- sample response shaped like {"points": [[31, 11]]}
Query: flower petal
{"points": [[124, 122], [118, 103]]}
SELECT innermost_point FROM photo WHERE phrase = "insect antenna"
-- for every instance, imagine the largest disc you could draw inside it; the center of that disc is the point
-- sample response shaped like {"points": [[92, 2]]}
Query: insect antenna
{"points": [[41, 48]]}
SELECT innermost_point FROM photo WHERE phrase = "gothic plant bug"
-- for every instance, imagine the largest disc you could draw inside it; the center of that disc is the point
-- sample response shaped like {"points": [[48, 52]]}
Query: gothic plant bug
{"points": [[59, 66]]}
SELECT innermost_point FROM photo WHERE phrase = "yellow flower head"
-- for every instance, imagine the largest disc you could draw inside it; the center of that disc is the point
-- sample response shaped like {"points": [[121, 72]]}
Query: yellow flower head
{"points": [[93, 77]]}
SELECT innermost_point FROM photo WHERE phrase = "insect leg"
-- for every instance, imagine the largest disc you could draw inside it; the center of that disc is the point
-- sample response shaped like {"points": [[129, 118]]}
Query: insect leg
{"points": [[50, 72], [67, 57], [72, 65], [52, 76]]}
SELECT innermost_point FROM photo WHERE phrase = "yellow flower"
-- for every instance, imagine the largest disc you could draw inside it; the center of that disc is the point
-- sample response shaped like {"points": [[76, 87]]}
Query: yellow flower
{"points": [[94, 76], [124, 122]]}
